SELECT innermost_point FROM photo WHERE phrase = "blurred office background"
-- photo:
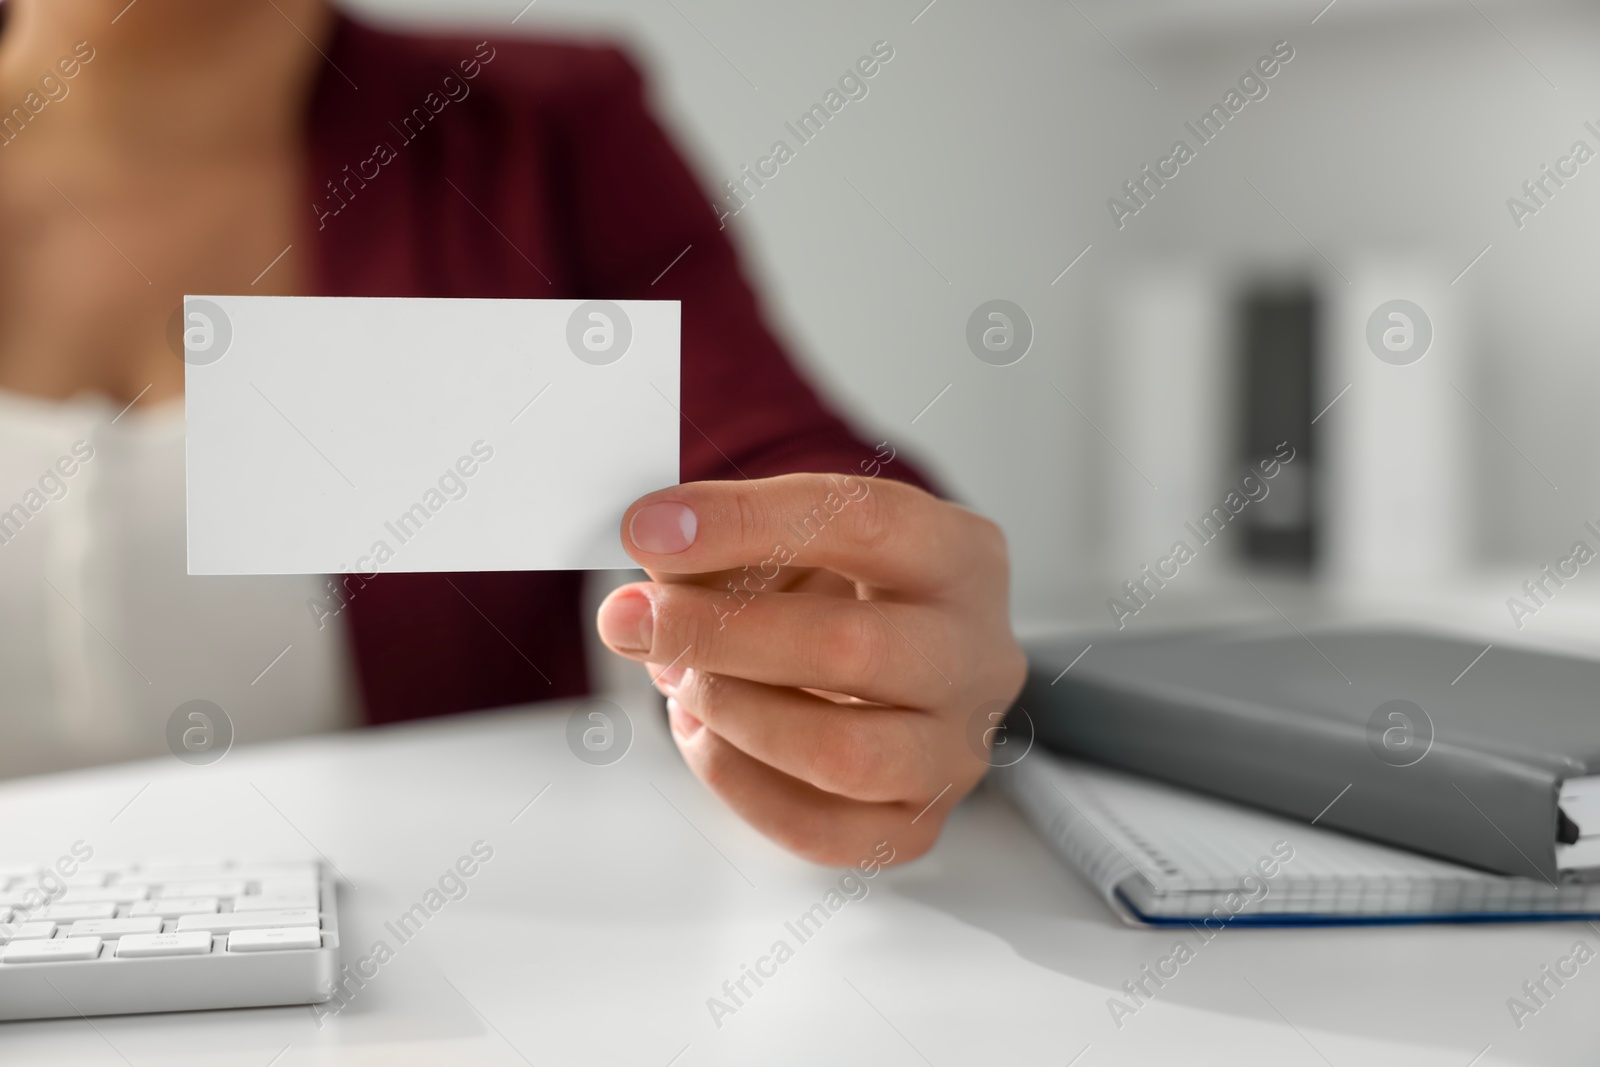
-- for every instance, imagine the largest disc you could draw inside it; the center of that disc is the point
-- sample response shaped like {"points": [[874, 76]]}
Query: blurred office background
{"points": [[1226, 314]]}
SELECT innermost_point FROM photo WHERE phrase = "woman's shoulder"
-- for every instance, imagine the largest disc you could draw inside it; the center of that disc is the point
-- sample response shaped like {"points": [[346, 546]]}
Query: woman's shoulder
{"points": [[516, 72]]}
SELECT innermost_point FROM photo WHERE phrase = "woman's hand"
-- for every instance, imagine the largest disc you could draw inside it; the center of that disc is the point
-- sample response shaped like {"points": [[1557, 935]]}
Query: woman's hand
{"points": [[824, 642]]}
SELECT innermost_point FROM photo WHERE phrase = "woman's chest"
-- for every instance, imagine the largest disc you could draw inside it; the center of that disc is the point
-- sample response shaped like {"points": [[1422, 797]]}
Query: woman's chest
{"points": [[94, 269]]}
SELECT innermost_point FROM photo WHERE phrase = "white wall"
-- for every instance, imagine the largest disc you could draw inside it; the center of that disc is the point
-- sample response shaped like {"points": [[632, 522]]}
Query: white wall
{"points": [[991, 143], [1399, 131], [962, 143]]}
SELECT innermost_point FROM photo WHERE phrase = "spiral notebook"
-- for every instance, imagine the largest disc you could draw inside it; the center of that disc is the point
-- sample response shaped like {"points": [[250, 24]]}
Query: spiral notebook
{"points": [[1164, 856]]}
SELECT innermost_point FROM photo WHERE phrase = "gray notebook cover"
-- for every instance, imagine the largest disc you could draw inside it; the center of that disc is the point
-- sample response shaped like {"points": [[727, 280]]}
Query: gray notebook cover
{"points": [[1374, 732]]}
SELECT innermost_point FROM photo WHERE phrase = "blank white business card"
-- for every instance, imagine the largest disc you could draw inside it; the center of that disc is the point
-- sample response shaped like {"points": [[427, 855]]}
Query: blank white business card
{"points": [[372, 435]]}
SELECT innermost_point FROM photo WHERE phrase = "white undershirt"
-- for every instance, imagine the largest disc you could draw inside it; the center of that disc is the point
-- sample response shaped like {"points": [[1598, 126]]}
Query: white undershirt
{"points": [[103, 634]]}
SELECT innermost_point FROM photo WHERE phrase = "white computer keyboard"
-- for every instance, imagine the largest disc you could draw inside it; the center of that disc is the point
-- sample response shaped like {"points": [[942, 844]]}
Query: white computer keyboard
{"points": [[114, 939]]}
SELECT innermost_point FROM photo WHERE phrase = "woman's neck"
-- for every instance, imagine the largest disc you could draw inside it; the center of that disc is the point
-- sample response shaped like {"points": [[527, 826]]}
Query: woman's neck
{"points": [[166, 73]]}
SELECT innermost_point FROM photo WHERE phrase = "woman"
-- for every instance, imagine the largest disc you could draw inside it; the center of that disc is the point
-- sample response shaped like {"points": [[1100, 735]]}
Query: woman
{"points": [[165, 147]]}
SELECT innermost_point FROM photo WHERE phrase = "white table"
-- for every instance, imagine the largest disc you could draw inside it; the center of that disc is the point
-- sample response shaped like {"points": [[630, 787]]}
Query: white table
{"points": [[626, 895]]}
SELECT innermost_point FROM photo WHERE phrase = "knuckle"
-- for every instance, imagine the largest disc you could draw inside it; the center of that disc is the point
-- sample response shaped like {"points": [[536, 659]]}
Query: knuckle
{"points": [[748, 509], [991, 663], [872, 524], [852, 650], [712, 761], [996, 555], [853, 762], [992, 545], [816, 847], [833, 854], [921, 842], [707, 695], [985, 547], [808, 832], [684, 621], [829, 839]]}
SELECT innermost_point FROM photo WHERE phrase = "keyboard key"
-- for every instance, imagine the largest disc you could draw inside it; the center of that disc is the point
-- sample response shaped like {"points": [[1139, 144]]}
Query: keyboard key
{"points": [[138, 946], [184, 870], [255, 872], [74, 912], [275, 903], [286, 887], [181, 875], [255, 920], [230, 888], [115, 894], [173, 907], [86, 877], [55, 950], [106, 870], [275, 940], [26, 931], [114, 927]]}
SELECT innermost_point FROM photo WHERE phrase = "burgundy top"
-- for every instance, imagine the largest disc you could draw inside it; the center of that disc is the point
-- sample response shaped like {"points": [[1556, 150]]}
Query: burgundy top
{"points": [[542, 175]]}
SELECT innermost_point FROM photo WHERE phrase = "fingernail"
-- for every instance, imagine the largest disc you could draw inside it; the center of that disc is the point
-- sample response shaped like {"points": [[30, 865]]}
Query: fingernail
{"points": [[627, 622], [684, 724], [671, 677], [663, 529]]}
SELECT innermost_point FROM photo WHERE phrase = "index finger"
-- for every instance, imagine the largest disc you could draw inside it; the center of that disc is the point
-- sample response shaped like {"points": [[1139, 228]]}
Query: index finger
{"points": [[877, 531]]}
